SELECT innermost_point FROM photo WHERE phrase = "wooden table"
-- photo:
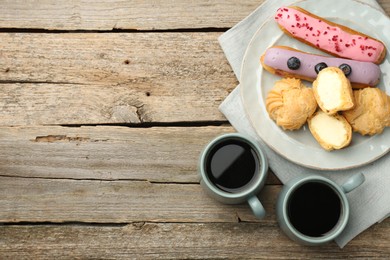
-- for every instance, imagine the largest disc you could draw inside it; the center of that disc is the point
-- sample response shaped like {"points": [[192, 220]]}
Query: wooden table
{"points": [[105, 107]]}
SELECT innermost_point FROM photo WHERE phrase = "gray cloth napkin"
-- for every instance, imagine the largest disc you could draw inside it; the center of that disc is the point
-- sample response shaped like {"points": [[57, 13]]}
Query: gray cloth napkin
{"points": [[369, 203]]}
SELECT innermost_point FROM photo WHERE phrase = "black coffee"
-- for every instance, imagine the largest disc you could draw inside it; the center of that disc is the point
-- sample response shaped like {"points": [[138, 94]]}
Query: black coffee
{"points": [[314, 209], [231, 165]]}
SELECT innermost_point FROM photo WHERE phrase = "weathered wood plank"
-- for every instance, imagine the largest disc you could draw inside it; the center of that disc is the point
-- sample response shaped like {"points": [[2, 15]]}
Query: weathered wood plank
{"points": [[101, 58], [96, 201], [112, 78], [138, 15], [385, 4], [108, 15], [181, 241], [156, 154]]}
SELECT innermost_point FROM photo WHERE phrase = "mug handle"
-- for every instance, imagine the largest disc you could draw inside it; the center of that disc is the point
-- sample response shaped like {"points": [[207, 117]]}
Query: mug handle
{"points": [[353, 182], [257, 207]]}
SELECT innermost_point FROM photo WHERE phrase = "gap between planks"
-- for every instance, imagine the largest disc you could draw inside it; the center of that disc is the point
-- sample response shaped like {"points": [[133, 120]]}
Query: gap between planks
{"points": [[57, 31], [106, 180]]}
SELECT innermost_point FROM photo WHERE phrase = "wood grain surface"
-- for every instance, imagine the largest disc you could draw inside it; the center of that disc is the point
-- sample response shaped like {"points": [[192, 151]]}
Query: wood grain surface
{"points": [[90, 78], [105, 108], [167, 154], [180, 240], [131, 15], [43, 200]]}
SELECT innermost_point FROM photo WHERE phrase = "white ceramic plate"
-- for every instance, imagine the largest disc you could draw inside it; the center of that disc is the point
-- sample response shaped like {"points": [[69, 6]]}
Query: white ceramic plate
{"points": [[300, 146]]}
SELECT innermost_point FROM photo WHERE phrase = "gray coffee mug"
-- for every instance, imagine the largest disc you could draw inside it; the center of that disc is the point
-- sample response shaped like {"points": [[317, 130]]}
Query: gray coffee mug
{"points": [[296, 203], [246, 193]]}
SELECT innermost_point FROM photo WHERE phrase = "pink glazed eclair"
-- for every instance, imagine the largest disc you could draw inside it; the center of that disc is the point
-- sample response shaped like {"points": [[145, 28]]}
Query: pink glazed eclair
{"points": [[329, 37], [289, 62]]}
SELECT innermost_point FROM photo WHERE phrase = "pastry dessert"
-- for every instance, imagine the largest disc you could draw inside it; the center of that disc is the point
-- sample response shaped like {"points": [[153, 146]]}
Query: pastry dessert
{"points": [[329, 37], [371, 113], [331, 131], [289, 103], [333, 91], [289, 62]]}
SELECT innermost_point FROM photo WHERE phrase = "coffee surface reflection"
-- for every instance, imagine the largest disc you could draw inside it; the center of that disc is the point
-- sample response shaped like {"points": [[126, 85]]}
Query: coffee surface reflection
{"points": [[232, 165]]}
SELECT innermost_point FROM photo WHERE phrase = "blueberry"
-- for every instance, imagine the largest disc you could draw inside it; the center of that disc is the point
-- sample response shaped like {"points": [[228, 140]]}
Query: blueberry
{"points": [[293, 63], [346, 69], [320, 66]]}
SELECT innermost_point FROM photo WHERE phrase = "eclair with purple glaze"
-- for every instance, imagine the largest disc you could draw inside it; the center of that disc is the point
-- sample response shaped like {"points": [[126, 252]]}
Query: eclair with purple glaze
{"points": [[289, 62]]}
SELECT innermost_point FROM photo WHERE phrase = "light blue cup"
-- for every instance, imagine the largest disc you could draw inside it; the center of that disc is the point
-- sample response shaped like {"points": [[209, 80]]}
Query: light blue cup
{"points": [[249, 194], [289, 189]]}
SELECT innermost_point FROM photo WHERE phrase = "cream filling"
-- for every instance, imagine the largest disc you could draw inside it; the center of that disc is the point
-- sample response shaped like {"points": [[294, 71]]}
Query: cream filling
{"points": [[329, 129], [329, 90]]}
